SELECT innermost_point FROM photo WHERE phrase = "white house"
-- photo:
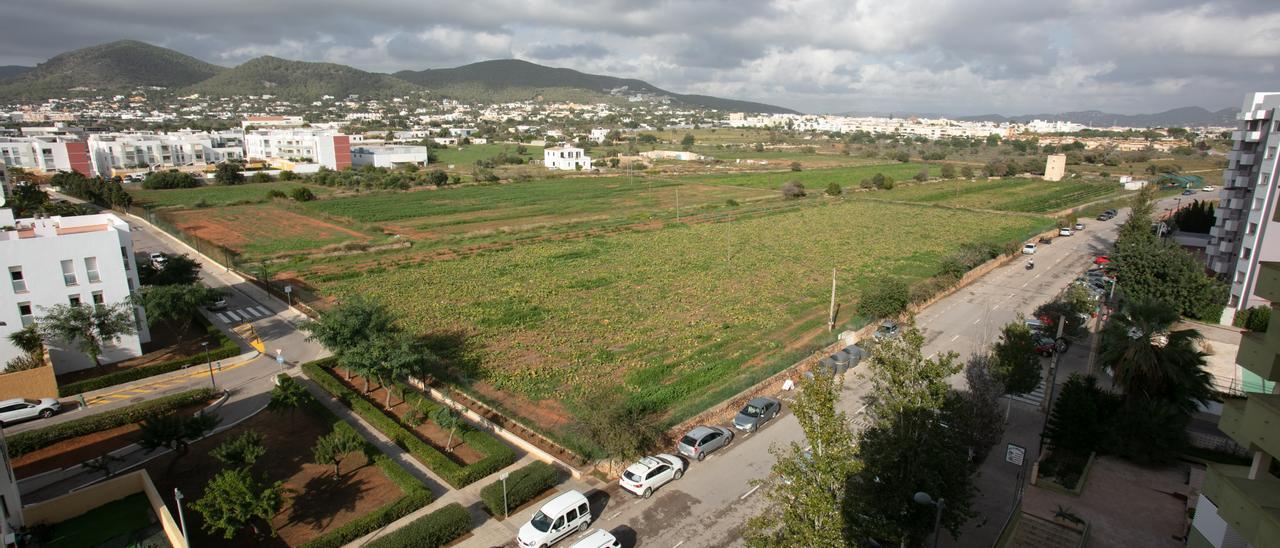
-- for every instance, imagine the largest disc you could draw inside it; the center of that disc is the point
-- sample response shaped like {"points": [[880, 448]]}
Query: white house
{"points": [[80, 260], [389, 155], [566, 158], [285, 147], [599, 134]]}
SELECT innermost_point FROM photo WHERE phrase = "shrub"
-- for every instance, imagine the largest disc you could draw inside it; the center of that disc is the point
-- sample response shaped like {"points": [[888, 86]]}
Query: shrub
{"points": [[276, 193], [260, 177], [1254, 319], [169, 179], [302, 194], [882, 181], [430, 531], [922, 176], [523, 486], [884, 298], [833, 189], [32, 440], [792, 189], [240, 452], [795, 166], [226, 349]]}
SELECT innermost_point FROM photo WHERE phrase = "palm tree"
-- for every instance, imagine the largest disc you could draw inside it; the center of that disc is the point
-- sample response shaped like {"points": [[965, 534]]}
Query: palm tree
{"points": [[1152, 361]]}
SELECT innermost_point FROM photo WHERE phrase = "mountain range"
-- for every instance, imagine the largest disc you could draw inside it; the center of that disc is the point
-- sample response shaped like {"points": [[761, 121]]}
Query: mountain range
{"points": [[126, 65]]}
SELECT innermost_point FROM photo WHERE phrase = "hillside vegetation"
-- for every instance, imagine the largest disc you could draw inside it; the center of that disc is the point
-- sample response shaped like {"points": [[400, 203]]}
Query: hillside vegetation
{"points": [[300, 79], [117, 66]]}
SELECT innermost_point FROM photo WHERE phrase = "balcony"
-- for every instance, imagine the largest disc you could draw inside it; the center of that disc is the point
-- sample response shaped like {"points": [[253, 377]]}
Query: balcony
{"points": [[1268, 284], [1259, 355], [1253, 422], [1246, 136], [1251, 507], [1247, 159]]}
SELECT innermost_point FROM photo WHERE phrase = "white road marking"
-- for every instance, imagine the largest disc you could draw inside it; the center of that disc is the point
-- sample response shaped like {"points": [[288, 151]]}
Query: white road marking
{"points": [[995, 307], [745, 495], [977, 320], [678, 544], [222, 318], [265, 311], [251, 310], [233, 316], [953, 338], [615, 514]]}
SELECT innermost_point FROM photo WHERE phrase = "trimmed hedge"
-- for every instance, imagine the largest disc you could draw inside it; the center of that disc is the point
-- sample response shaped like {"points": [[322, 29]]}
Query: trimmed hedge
{"points": [[523, 486], [32, 440], [416, 495], [430, 531], [497, 454], [226, 348]]}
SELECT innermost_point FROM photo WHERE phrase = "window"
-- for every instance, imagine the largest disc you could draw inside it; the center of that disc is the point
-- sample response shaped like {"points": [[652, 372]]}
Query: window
{"points": [[91, 268], [68, 272], [15, 276], [559, 524], [1246, 254], [24, 310], [1253, 228], [97, 299], [74, 300], [124, 253], [1239, 276]]}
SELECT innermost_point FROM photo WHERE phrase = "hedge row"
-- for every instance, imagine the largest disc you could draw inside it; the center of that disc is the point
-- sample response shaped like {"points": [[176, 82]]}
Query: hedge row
{"points": [[523, 486], [416, 495], [226, 348], [33, 440], [497, 455], [430, 531]]}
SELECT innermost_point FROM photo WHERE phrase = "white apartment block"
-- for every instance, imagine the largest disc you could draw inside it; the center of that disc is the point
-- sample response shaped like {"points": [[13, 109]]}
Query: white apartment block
{"points": [[46, 154], [1042, 126], [566, 158], [389, 156], [114, 153], [81, 260], [271, 122], [286, 147], [1245, 233]]}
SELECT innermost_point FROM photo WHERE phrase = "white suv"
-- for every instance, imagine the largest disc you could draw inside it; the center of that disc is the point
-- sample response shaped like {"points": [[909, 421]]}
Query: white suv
{"points": [[19, 409], [651, 473]]}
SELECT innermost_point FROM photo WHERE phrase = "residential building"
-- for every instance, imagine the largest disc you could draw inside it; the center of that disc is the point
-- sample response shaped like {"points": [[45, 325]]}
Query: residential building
{"points": [[389, 156], [81, 261], [46, 154], [1245, 232], [117, 153], [599, 134], [566, 158], [284, 148], [1238, 505], [1055, 167], [462, 132], [261, 122]]}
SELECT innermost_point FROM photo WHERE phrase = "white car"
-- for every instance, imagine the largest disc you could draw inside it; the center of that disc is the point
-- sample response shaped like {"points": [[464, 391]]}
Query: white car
{"points": [[19, 409], [158, 259], [1207, 189], [598, 539], [651, 473], [1029, 249], [1064, 231]]}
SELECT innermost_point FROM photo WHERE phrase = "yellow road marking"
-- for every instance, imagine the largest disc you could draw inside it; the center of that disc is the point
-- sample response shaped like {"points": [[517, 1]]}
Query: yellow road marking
{"points": [[135, 391]]}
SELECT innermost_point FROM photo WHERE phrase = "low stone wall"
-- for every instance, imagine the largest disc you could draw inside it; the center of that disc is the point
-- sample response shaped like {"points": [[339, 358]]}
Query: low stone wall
{"points": [[33, 383]]}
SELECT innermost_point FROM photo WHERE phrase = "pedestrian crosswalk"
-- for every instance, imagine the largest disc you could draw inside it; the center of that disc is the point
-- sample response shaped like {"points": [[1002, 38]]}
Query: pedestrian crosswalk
{"points": [[246, 314], [1034, 397]]}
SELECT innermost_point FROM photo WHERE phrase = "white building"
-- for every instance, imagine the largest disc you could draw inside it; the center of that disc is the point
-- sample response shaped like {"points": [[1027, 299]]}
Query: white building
{"points": [[80, 260], [566, 158], [1245, 231], [599, 134], [113, 153], [389, 156], [271, 122], [285, 148], [46, 154], [1042, 126]]}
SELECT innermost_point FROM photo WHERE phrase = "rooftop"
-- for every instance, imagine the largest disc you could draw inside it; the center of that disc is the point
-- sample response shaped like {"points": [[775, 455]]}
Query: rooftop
{"points": [[50, 227]]}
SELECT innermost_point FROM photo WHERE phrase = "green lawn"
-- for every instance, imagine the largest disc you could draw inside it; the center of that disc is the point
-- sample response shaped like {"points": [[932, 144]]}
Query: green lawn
{"points": [[217, 195], [106, 522], [816, 179], [465, 156]]}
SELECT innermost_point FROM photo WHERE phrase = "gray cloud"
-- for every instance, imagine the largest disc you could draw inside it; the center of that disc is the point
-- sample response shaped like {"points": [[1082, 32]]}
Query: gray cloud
{"points": [[957, 56]]}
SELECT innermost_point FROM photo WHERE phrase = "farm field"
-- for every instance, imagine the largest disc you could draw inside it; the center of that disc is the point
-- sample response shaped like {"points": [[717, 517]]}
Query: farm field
{"points": [[217, 195], [466, 155], [262, 229], [683, 316], [1022, 195], [814, 180]]}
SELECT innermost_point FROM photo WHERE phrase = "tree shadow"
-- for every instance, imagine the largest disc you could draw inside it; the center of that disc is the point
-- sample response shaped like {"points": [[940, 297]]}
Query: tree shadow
{"points": [[626, 536], [326, 495], [460, 353]]}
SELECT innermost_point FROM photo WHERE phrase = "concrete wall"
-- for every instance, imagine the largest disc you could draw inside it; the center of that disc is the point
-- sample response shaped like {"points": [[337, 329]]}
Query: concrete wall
{"points": [[77, 503], [32, 383]]}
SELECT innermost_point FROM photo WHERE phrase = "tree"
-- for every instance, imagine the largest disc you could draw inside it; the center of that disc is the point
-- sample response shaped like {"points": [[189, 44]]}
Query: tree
{"points": [[1153, 361], [792, 190], [260, 177], [27, 199], [922, 176], [1078, 422], [28, 340], [90, 328], [902, 156], [390, 356], [234, 499], [241, 452], [1014, 361], [349, 325], [623, 429], [175, 305], [449, 419], [177, 270], [228, 173], [289, 394], [438, 178], [808, 504], [332, 447], [173, 178], [687, 142], [833, 189], [882, 181], [948, 171], [884, 298], [795, 166], [966, 172], [977, 410], [175, 432]]}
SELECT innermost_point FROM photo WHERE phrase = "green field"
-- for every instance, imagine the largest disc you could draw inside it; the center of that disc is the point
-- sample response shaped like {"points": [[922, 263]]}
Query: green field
{"points": [[1024, 195], [814, 180], [217, 195], [465, 156], [682, 316]]}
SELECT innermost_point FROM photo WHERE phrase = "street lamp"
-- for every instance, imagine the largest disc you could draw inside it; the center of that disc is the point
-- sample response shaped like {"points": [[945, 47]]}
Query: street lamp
{"points": [[922, 497], [177, 497], [209, 363], [506, 513]]}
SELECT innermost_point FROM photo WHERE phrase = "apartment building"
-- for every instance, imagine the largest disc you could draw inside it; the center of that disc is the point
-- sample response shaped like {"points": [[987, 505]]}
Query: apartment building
{"points": [[1238, 504], [80, 260], [271, 122], [46, 154], [1239, 239], [284, 148], [566, 158], [116, 153], [389, 156]]}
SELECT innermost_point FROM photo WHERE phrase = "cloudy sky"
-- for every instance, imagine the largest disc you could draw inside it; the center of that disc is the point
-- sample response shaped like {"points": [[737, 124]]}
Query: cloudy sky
{"points": [[946, 56]]}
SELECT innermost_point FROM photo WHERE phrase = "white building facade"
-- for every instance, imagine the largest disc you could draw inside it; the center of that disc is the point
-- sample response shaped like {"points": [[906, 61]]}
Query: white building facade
{"points": [[286, 147], [82, 260], [389, 156], [566, 158], [114, 153]]}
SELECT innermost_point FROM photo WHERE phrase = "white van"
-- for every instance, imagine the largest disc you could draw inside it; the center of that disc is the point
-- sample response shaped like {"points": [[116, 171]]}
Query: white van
{"points": [[557, 519], [598, 539]]}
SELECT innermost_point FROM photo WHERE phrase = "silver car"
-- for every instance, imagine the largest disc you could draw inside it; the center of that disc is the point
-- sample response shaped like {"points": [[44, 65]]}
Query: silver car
{"points": [[19, 409], [757, 412], [702, 440]]}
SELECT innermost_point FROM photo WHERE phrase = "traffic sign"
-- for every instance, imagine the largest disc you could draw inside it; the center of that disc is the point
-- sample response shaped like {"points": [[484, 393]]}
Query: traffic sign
{"points": [[1015, 454]]}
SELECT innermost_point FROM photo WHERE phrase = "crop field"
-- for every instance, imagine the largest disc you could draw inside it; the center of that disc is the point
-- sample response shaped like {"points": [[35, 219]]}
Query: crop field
{"points": [[217, 195], [814, 180], [466, 155], [682, 317], [262, 229], [1023, 195]]}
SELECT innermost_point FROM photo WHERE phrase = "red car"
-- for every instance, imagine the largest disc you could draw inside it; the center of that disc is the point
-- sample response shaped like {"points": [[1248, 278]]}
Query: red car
{"points": [[1101, 260]]}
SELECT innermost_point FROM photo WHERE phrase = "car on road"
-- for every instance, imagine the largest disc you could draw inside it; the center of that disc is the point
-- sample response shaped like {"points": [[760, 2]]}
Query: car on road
{"points": [[557, 519], [1208, 189], [756, 412], [1046, 346], [1029, 249], [703, 440], [158, 259], [220, 304], [888, 329], [20, 409], [1079, 227], [650, 473], [1101, 260], [598, 539], [1064, 231], [1188, 192]]}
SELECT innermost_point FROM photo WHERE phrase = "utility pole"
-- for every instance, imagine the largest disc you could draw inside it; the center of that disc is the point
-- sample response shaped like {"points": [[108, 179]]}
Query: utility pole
{"points": [[831, 314]]}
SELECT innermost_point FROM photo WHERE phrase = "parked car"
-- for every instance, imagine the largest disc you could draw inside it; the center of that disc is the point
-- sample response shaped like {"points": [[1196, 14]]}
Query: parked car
{"points": [[1079, 227], [888, 329], [1064, 231], [158, 259], [20, 409], [1188, 192], [1045, 240], [220, 304], [598, 539], [703, 440], [1046, 346], [756, 412], [557, 519], [1208, 189], [650, 473], [1101, 260], [1028, 249]]}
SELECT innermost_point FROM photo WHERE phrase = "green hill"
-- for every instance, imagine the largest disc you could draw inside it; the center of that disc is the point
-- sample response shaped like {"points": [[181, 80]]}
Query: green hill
{"points": [[9, 71], [300, 80], [117, 66]]}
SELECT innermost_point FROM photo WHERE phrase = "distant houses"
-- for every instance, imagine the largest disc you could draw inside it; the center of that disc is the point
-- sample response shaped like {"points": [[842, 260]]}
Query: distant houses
{"points": [[566, 158]]}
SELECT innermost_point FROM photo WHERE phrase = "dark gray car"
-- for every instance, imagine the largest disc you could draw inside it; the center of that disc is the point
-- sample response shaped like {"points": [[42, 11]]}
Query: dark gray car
{"points": [[702, 440], [757, 412]]}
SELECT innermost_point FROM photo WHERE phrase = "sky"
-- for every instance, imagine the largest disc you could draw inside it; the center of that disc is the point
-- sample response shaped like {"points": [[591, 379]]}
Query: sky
{"points": [[953, 57]]}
